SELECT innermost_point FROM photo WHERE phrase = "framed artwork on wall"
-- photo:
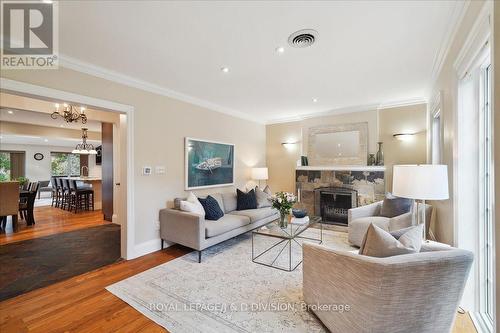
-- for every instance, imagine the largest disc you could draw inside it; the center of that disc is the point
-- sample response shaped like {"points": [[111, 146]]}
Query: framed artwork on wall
{"points": [[208, 164]]}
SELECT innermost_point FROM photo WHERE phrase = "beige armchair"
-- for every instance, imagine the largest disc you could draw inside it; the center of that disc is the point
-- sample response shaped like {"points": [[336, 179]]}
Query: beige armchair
{"points": [[416, 293], [9, 202], [360, 218]]}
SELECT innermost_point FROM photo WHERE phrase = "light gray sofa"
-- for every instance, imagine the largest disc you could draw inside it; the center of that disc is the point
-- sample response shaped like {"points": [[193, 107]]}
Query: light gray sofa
{"points": [[417, 293], [360, 218], [194, 231]]}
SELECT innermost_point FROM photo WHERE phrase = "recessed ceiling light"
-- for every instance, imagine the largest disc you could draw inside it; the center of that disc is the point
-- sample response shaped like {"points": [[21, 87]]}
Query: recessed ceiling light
{"points": [[315, 100], [225, 70], [280, 50], [61, 125], [10, 112], [46, 140]]}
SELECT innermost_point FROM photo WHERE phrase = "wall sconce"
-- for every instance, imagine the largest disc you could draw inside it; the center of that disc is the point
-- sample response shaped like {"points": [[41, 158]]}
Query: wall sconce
{"points": [[404, 136], [289, 145]]}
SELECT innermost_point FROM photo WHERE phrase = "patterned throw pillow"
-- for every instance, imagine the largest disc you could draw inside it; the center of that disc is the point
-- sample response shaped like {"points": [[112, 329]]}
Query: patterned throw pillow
{"points": [[246, 200], [213, 211]]}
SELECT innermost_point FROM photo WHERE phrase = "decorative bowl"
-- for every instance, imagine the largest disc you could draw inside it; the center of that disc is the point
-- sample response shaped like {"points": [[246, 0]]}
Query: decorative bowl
{"points": [[299, 213]]}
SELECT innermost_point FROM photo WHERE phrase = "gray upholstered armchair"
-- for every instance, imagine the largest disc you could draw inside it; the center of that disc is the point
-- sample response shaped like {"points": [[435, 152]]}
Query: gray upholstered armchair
{"points": [[360, 218], [416, 293]]}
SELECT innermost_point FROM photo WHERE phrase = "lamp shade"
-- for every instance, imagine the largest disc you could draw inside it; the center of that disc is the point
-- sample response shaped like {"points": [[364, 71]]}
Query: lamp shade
{"points": [[423, 182], [259, 174]]}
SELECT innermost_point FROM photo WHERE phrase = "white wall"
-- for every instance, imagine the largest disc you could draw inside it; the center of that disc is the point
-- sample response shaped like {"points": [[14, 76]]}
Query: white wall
{"points": [[40, 170]]}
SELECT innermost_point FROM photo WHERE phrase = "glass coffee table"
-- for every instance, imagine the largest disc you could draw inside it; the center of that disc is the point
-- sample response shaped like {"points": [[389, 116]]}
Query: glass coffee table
{"points": [[281, 248]]}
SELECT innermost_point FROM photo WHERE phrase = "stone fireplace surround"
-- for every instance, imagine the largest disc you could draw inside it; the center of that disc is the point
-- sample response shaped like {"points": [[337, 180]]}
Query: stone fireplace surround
{"points": [[367, 181]]}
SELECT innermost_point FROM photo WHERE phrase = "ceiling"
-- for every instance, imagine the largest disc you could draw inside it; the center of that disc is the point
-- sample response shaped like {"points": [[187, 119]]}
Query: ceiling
{"points": [[19, 139], [44, 119], [367, 53]]}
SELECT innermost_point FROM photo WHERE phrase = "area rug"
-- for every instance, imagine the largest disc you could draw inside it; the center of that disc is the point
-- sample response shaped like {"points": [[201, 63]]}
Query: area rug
{"points": [[227, 292], [39, 262]]}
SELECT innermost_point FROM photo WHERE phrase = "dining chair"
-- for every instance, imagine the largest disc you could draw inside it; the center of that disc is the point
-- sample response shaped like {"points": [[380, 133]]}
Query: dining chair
{"points": [[26, 208], [9, 205]]}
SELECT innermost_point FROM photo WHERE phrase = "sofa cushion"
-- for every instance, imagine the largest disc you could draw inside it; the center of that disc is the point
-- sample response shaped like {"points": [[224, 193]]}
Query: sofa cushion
{"points": [[226, 223], [246, 200], [395, 206], [262, 198], [256, 214], [230, 201], [380, 243], [212, 208]]}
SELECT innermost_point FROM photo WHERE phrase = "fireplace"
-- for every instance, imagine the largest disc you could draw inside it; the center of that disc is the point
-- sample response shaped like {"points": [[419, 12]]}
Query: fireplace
{"points": [[332, 204]]}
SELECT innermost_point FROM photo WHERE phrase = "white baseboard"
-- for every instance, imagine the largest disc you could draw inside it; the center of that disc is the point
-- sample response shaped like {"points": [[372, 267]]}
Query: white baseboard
{"points": [[149, 247]]}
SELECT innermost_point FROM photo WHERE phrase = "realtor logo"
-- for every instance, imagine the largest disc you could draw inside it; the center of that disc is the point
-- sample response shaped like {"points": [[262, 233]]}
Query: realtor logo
{"points": [[29, 35]]}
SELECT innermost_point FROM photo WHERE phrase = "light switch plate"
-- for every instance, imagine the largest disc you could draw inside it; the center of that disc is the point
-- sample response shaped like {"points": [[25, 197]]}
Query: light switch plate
{"points": [[160, 170], [146, 171]]}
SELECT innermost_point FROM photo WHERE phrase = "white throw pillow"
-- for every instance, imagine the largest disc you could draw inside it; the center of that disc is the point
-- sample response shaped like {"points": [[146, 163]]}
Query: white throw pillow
{"points": [[262, 198], [192, 205]]}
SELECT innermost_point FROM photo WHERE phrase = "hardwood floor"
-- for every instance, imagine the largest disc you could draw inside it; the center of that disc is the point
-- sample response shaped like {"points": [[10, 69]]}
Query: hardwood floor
{"points": [[81, 303], [49, 221]]}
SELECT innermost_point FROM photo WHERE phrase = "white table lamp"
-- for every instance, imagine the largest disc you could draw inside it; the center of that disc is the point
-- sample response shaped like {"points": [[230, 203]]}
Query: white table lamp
{"points": [[260, 174], [421, 182]]}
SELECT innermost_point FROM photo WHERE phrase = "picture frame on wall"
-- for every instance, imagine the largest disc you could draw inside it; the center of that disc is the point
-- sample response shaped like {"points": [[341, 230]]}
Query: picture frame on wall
{"points": [[208, 164]]}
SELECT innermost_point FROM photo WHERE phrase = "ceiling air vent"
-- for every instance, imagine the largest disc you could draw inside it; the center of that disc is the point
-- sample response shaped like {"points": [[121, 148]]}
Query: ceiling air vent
{"points": [[303, 38]]}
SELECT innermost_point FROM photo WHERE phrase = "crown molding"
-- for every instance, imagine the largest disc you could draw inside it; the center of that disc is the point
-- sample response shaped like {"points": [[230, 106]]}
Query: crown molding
{"points": [[402, 103], [453, 25], [103, 73], [350, 109]]}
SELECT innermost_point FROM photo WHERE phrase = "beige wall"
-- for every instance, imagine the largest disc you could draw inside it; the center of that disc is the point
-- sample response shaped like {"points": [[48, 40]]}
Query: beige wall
{"points": [[160, 125], [382, 124], [407, 119], [447, 84], [281, 160]]}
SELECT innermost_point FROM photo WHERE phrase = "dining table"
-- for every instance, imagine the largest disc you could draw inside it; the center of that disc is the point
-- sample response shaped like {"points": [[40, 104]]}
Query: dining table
{"points": [[29, 196]]}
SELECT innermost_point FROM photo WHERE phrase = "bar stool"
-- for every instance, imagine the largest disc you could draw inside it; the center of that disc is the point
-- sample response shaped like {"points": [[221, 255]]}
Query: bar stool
{"points": [[82, 197], [59, 192], [66, 194], [53, 182]]}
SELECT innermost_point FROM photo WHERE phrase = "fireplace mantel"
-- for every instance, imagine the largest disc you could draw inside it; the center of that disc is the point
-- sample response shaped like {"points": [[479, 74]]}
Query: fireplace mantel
{"points": [[343, 168]]}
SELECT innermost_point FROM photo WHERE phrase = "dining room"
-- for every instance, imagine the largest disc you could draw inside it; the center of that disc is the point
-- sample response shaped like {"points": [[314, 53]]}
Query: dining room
{"points": [[58, 185]]}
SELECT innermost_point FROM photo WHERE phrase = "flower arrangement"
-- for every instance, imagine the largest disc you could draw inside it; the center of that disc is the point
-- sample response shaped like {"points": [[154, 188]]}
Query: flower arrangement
{"points": [[283, 202]]}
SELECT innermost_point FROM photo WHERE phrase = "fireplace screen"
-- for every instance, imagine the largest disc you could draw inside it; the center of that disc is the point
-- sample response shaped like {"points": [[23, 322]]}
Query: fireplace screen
{"points": [[332, 204]]}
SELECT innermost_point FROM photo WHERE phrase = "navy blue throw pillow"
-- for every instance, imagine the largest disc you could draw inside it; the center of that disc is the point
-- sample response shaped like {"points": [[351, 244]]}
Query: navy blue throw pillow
{"points": [[246, 200], [212, 208]]}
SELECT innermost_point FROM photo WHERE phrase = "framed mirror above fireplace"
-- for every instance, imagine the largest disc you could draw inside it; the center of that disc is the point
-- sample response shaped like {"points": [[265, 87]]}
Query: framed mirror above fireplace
{"points": [[344, 144]]}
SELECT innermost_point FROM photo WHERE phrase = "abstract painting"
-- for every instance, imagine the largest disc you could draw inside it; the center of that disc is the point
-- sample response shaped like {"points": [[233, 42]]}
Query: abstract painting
{"points": [[208, 164]]}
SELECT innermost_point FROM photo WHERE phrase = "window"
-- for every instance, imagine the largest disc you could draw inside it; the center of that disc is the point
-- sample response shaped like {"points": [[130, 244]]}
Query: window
{"points": [[4, 166], [12, 165], [65, 164], [486, 265]]}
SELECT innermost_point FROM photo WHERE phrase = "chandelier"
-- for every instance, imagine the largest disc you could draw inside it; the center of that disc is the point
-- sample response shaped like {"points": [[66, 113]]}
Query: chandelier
{"points": [[84, 148], [70, 113]]}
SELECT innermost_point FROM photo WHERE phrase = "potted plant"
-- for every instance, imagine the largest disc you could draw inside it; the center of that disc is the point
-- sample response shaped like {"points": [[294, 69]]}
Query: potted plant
{"points": [[22, 181], [283, 202]]}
